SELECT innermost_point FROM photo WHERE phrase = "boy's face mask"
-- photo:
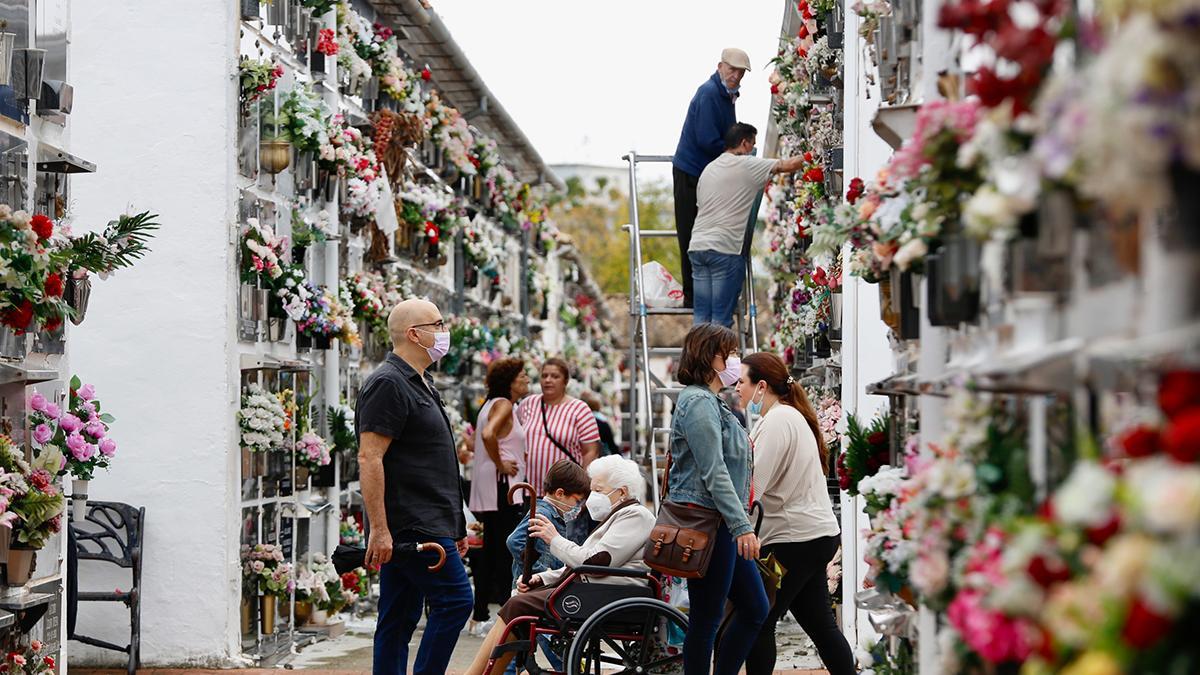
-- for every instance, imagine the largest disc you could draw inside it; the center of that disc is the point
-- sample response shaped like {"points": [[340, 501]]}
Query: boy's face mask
{"points": [[569, 507]]}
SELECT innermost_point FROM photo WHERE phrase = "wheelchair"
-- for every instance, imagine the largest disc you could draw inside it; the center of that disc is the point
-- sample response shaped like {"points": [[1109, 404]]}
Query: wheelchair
{"points": [[596, 627]]}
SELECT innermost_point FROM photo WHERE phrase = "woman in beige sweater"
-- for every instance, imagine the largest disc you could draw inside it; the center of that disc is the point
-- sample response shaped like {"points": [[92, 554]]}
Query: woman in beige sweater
{"points": [[618, 490], [799, 526]]}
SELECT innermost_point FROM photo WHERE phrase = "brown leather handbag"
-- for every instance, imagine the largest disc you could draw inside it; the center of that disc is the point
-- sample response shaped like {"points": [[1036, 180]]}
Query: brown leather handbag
{"points": [[683, 537]]}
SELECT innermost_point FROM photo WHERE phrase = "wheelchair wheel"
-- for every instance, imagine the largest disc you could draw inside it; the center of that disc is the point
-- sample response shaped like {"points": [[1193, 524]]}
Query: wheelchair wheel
{"points": [[635, 635]]}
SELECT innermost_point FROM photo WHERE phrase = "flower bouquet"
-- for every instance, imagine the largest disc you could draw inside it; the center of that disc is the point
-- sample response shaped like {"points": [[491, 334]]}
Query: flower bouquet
{"points": [[350, 532], [262, 253], [304, 119], [257, 76], [262, 419], [365, 291], [28, 661], [32, 273], [313, 580], [33, 506], [311, 451], [867, 450], [80, 434], [266, 575]]}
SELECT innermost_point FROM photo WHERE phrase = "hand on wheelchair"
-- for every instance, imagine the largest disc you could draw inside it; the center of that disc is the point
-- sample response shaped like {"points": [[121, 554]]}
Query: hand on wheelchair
{"points": [[534, 582], [540, 527]]}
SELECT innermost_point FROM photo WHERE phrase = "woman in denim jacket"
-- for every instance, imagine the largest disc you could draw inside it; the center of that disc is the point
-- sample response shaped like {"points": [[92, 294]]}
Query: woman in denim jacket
{"points": [[711, 467]]}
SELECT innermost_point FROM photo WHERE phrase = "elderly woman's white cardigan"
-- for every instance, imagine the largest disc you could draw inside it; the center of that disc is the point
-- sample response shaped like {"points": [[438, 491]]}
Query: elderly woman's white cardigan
{"points": [[623, 536]]}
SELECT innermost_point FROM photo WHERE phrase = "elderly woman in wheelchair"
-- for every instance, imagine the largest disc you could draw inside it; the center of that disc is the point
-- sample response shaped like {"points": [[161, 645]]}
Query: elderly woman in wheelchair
{"points": [[604, 595]]}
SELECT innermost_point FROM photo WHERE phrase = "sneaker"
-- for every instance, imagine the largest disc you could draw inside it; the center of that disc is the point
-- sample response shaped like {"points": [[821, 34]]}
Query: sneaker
{"points": [[480, 629]]}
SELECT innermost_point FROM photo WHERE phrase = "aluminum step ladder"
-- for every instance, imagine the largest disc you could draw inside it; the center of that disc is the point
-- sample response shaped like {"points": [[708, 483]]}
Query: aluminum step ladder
{"points": [[644, 387]]}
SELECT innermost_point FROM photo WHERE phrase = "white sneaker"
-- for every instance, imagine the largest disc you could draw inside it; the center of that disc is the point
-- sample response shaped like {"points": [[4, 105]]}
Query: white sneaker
{"points": [[480, 629]]}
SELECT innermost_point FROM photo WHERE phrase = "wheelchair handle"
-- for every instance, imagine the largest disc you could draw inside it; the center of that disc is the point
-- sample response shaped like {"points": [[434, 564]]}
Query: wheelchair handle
{"points": [[527, 555]]}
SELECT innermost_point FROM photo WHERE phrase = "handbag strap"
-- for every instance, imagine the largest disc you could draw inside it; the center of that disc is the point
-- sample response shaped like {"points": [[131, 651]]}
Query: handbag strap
{"points": [[560, 446]]}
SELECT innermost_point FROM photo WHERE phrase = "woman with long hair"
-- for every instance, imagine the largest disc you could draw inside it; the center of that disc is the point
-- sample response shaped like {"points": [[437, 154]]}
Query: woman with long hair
{"points": [[710, 466], [499, 462], [799, 526]]}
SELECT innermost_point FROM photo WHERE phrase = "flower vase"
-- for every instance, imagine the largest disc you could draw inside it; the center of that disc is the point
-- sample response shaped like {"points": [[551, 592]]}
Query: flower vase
{"points": [[79, 495], [322, 342], [261, 464], [266, 606], [301, 477], [7, 42], [275, 155], [835, 316], [249, 13], [303, 611], [1184, 228], [19, 565], [247, 615], [276, 329], [319, 617], [5, 541], [79, 291]]}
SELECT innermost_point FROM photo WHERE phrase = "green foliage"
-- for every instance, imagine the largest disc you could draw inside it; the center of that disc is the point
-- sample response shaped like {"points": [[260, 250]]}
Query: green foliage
{"points": [[594, 224], [866, 451], [36, 509], [123, 242]]}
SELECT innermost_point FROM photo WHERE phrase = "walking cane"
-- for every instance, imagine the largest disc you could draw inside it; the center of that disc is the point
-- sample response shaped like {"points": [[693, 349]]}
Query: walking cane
{"points": [[531, 495]]}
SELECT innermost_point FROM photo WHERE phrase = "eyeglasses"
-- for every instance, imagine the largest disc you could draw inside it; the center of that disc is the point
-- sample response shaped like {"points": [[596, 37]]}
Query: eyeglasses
{"points": [[440, 324]]}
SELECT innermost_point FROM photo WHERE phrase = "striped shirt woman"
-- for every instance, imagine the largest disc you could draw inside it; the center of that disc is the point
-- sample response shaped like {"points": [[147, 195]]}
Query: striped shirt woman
{"points": [[568, 420]]}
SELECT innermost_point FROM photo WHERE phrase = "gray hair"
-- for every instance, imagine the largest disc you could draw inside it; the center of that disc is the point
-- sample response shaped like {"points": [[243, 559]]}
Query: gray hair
{"points": [[619, 472]]}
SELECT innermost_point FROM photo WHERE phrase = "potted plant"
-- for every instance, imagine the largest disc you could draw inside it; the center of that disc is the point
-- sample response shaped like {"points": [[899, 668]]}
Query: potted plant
{"points": [[28, 660], [80, 434], [256, 77], [267, 575], [34, 510]]}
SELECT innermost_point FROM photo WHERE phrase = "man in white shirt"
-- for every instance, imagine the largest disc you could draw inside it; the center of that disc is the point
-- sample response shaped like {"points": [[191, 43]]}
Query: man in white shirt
{"points": [[725, 195]]}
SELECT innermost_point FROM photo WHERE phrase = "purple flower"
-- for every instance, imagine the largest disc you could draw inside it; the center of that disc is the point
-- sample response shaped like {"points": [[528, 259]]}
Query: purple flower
{"points": [[87, 392], [75, 443], [38, 402], [108, 447], [42, 434], [70, 423], [52, 411], [95, 429], [90, 408]]}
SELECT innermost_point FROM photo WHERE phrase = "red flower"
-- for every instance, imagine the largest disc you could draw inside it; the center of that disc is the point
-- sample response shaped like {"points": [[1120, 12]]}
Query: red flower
{"points": [[774, 89], [1182, 439], [53, 287], [327, 42], [856, 190], [1101, 534], [18, 318], [808, 156], [426, 74], [1139, 441], [350, 581], [432, 232], [877, 438], [1047, 571], [1145, 627], [815, 175], [1178, 390], [803, 31], [43, 226], [49, 661], [802, 52], [819, 277]]}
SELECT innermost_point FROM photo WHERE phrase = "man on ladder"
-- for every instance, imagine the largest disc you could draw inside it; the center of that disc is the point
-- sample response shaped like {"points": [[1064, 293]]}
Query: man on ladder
{"points": [[728, 195], [709, 116]]}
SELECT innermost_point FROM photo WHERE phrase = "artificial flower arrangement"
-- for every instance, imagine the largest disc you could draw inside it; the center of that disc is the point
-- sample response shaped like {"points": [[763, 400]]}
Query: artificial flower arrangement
{"points": [[32, 503], [350, 531], [481, 248], [262, 254], [314, 578], [28, 660], [257, 77], [311, 451], [304, 119], [327, 42], [34, 275], [265, 572], [867, 451], [366, 290], [436, 215], [450, 131], [80, 432], [261, 419], [829, 414], [341, 428]]}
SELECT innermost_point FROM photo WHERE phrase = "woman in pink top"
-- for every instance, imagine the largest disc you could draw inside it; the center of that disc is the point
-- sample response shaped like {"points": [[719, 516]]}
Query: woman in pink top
{"points": [[499, 463]]}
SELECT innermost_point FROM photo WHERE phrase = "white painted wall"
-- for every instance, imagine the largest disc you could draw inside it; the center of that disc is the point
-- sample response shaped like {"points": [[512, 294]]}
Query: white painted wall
{"points": [[155, 98]]}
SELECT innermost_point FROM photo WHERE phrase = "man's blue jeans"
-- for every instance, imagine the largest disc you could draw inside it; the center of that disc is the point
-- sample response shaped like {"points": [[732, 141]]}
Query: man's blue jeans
{"points": [[404, 584], [717, 282]]}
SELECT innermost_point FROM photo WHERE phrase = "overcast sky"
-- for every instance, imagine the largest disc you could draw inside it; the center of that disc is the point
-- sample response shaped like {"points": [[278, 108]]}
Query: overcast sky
{"points": [[587, 81]]}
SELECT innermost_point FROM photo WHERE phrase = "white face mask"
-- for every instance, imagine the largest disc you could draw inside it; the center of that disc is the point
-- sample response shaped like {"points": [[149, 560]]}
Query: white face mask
{"points": [[599, 505], [732, 372], [441, 345]]}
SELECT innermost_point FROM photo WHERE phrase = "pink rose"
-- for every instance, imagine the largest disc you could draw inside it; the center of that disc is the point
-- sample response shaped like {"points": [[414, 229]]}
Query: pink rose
{"points": [[38, 402], [42, 434], [80, 448], [108, 447], [70, 423], [87, 392], [52, 411], [95, 428]]}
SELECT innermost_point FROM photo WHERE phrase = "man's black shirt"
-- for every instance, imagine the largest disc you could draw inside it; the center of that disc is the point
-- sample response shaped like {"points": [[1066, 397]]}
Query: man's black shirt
{"points": [[422, 492]]}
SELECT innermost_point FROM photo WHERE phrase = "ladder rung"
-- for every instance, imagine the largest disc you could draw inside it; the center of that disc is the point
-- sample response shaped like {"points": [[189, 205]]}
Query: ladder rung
{"points": [[650, 158], [662, 430], [652, 233], [666, 391], [666, 351], [667, 310]]}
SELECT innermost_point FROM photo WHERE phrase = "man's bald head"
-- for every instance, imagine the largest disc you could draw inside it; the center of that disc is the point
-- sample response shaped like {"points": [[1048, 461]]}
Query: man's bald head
{"points": [[412, 312]]}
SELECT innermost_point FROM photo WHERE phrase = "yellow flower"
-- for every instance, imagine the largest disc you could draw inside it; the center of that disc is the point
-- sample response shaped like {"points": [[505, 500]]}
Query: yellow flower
{"points": [[1094, 663]]}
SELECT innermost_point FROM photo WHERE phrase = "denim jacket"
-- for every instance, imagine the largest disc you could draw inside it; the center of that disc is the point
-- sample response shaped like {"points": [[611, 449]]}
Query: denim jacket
{"points": [[710, 458], [544, 560]]}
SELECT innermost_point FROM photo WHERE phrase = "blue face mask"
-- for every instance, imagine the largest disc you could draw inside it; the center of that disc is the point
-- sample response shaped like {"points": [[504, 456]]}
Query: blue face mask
{"points": [[754, 407], [569, 513]]}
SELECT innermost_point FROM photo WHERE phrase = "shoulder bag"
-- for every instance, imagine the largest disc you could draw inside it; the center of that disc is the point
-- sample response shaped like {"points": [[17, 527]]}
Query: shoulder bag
{"points": [[546, 426], [681, 543]]}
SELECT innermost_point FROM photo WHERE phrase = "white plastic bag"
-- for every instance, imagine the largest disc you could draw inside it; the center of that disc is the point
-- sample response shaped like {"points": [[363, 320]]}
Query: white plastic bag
{"points": [[661, 288]]}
